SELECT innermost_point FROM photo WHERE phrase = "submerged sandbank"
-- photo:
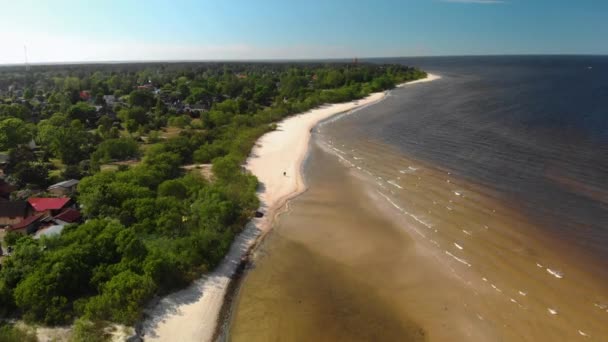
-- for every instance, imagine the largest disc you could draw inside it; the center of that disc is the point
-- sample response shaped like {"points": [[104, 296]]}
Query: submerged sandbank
{"points": [[192, 314]]}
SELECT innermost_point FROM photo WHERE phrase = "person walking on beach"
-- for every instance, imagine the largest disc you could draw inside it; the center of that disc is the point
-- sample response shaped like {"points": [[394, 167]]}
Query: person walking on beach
{"points": [[284, 173]]}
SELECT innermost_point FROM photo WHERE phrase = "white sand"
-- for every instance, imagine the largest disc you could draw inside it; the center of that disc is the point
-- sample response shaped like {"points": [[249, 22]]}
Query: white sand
{"points": [[192, 314]]}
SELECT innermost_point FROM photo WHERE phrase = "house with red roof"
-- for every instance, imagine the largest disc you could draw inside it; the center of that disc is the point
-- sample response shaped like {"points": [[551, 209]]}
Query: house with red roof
{"points": [[49, 206]]}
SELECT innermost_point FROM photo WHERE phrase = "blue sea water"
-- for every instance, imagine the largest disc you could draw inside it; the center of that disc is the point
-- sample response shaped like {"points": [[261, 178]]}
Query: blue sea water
{"points": [[534, 128]]}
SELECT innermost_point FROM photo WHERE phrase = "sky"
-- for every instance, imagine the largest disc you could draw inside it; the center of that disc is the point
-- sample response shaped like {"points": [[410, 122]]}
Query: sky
{"points": [[124, 30]]}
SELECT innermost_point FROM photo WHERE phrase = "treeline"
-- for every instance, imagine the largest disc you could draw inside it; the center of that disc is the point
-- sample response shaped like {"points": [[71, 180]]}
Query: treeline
{"points": [[152, 227]]}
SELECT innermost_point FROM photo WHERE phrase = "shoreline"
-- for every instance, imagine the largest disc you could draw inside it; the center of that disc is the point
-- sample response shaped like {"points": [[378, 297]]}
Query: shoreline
{"points": [[276, 152]]}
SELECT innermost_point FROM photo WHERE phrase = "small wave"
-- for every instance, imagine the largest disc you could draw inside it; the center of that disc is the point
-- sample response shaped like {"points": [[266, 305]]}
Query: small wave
{"points": [[457, 193], [394, 184], [552, 311], [522, 293], [467, 232], [458, 246], [409, 169], [556, 274], [416, 218], [484, 279], [496, 288], [513, 301], [357, 158], [462, 261], [338, 150], [539, 265]]}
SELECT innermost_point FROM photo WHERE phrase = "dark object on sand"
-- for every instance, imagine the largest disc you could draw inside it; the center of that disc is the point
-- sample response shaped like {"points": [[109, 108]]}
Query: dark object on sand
{"points": [[284, 173], [259, 214]]}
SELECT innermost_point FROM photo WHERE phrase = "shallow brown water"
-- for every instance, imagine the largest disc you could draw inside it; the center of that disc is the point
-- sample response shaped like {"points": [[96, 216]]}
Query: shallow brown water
{"points": [[385, 248]]}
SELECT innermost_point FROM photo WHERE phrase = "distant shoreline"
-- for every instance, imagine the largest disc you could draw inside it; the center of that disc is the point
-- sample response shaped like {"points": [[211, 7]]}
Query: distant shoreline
{"points": [[279, 151]]}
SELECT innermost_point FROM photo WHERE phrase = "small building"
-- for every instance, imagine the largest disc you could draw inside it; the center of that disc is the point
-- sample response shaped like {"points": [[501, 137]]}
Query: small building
{"points": [[12, 212], [27, 226], [49, 206], [85, 95], [64, 188], [110, 100], [68, 216]]}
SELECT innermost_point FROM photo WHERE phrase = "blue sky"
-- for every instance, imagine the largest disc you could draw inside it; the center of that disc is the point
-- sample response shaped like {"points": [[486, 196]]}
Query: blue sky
{"points": [[69, 30]]}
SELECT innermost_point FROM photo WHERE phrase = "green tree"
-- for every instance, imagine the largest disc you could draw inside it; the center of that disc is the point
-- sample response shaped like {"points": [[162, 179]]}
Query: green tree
{"points": [[14, 132], [83, 112]]}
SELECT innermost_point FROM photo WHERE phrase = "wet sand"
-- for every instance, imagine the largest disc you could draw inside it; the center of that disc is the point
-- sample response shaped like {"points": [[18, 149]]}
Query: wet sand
{"points": [[394, 249]]}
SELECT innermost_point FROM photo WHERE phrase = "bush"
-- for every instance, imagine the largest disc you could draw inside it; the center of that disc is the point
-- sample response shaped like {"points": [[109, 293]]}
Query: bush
{"points": [[10, 333]]}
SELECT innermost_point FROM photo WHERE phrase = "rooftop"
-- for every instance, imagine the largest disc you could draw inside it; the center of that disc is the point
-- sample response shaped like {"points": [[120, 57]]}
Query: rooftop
{"points": [[69, 215], [42, 204], [65, 184]]}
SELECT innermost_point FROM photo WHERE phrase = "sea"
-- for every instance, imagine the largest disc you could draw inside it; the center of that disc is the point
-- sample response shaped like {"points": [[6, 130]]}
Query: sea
{"points": [[470, 208]]}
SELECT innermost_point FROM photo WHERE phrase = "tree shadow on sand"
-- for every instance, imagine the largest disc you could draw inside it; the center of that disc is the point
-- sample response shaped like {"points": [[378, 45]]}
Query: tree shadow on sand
{"points": [[172, 304]]}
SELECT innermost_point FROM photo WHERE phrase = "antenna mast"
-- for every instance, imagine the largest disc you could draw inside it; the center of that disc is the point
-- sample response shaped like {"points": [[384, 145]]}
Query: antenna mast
{"points": [[27, 66]]}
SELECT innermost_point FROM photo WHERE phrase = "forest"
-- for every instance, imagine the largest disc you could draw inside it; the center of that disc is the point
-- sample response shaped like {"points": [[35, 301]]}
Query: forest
{"points": [[128, 132]]}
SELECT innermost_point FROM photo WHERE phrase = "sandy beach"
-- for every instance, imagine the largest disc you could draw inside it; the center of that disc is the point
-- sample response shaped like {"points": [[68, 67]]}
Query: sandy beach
{"points": [[192, 314]]}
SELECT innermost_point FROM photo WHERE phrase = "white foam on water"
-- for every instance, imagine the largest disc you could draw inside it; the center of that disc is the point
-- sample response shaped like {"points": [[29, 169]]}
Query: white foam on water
{"points": [[448, 208], [448, 180], [539, 265], [480, 317], [457, 193], [406, 213], [513, 301], [484, 279], [411, 168], [582, 333], [394, 184], [601, 306], [486, 227], [458, 246], [522, 293], [467, 232], [338, 150], [496, 288], [346, 161], [556, 274], [357, 158], [458, 259], [552, 311], [358, 167]]}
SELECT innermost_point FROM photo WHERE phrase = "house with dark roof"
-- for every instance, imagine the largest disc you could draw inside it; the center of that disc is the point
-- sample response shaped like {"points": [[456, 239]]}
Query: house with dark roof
{"points": [[49, 206], [67, 216], [27, 226], [64, 188], [13, 212]]}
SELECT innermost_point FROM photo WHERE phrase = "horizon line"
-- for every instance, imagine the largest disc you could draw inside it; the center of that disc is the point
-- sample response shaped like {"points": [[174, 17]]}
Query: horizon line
{"points": [[283, 60]]}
